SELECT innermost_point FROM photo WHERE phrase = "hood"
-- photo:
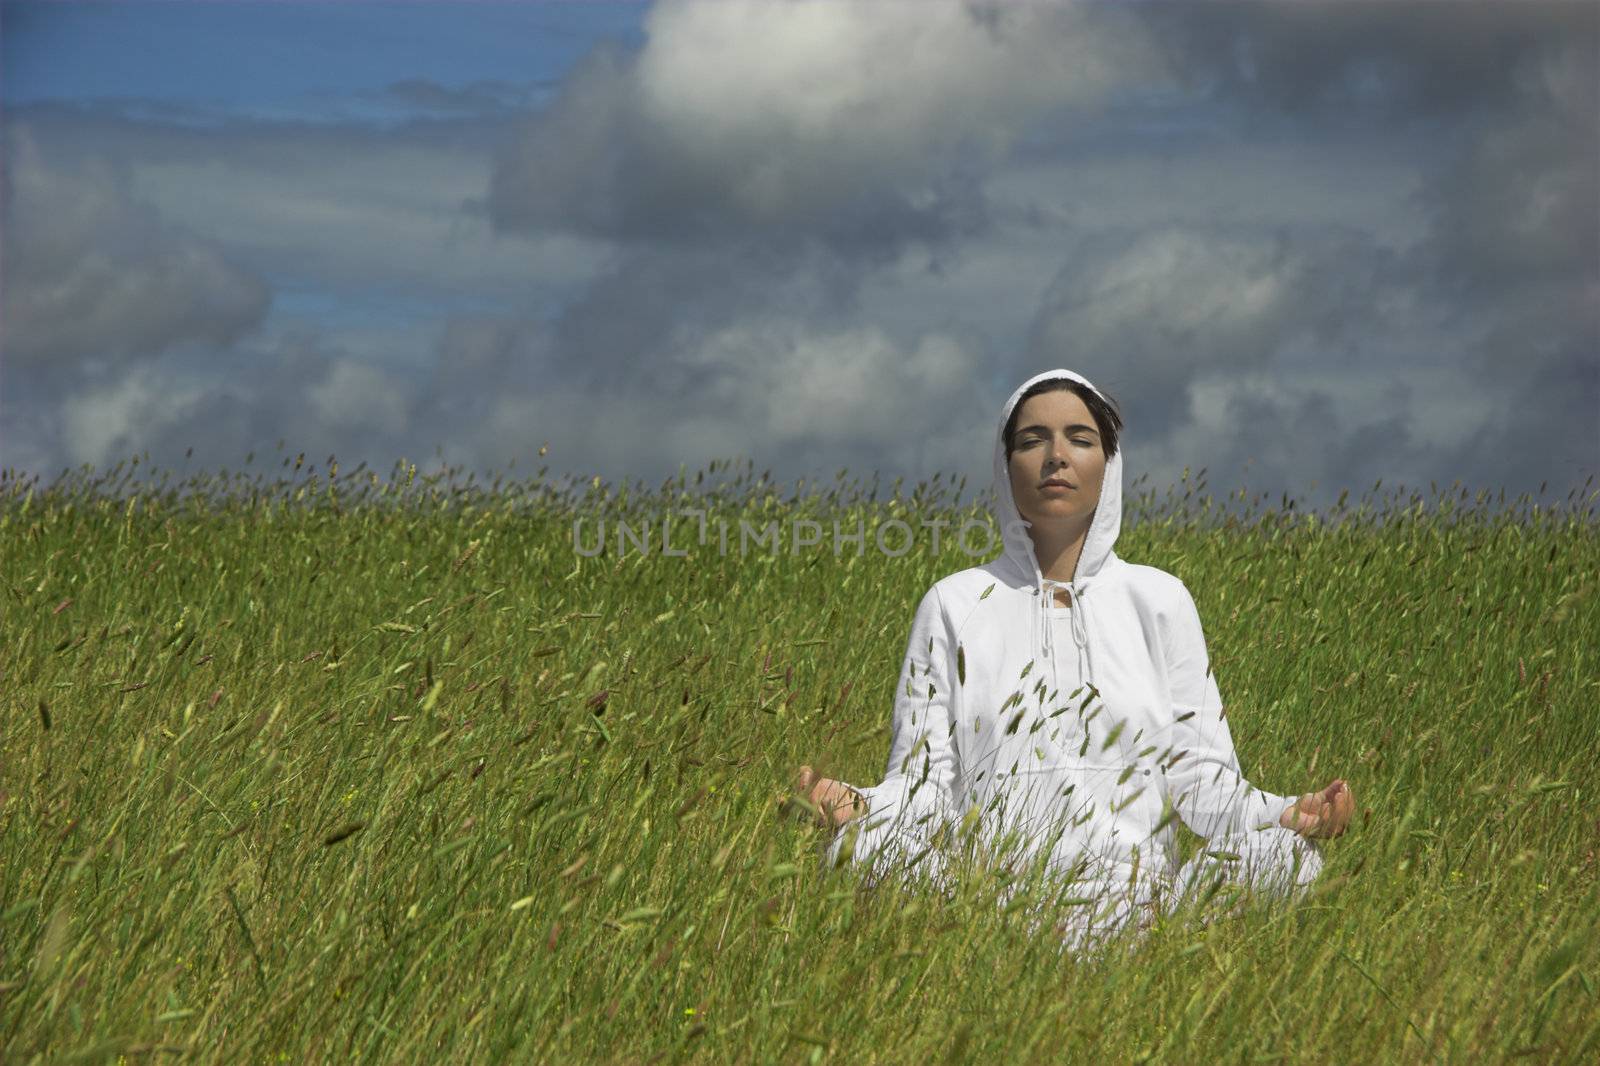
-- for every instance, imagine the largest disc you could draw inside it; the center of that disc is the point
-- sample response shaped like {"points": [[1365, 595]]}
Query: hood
{"points": [[1018, 550]]}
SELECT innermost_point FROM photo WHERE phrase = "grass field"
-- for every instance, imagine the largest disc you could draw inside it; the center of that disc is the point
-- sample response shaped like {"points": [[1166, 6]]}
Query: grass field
{"points": [[362, 769]]}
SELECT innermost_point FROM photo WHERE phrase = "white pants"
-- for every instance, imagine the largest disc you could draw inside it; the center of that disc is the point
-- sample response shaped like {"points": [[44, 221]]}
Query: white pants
{"points": [[1273, 862], [1276, 862], [1088, 911]]}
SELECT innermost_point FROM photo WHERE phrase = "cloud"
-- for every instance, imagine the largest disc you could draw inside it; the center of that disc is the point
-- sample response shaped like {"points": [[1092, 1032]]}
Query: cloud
{"points": [[1461, 343], [795, 399], [658, 299], [726, 357], [1538, 365], [92, 273], [1519, 202], [296, 390], [1351, 61], [118, 418], [1314, 360], [1311, 441], [862, 126], [1514, 244], [362, 395], [335, 209], [1156, 311], [829, 234]]}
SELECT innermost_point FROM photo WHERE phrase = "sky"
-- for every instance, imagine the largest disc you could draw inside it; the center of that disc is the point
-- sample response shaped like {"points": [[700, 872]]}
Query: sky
{"points": [[1304, 245]]}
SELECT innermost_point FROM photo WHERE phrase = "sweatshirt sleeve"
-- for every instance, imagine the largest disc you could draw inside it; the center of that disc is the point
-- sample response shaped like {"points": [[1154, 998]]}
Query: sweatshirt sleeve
{"points": [[1204, 780], [915, 795]]}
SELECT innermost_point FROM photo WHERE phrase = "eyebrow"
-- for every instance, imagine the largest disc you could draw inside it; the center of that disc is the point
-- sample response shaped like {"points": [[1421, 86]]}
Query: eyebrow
{"points": [[1076, 427]]}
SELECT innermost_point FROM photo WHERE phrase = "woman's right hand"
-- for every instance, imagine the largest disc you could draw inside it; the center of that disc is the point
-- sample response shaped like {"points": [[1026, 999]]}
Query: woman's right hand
{"points": [[1320, 815], [835, 802]]}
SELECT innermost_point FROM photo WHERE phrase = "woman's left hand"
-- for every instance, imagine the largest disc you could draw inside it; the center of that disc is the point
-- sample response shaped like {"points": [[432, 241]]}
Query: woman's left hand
{"points": [[833, 802], [1323, 814]]}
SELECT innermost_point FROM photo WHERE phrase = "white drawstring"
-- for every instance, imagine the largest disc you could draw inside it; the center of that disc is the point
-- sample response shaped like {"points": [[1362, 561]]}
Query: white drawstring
{"points": [[1080, 636], [1044, 642], [1080, 627]]}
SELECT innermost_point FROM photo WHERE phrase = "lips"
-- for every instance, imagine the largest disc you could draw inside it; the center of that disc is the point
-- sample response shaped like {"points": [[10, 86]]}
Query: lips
{"points": [[1057, 482]]}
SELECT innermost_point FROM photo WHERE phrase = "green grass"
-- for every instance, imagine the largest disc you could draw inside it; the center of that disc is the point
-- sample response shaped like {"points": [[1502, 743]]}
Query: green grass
{"points": [[379, 770]]}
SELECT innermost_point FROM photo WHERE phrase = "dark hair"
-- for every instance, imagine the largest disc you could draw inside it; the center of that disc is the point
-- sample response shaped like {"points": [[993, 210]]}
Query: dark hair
{"points": [[1106, 417]]}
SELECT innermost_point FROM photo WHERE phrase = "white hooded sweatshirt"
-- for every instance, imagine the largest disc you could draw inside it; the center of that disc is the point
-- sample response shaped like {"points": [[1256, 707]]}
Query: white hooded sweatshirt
{"points": [[1071, 726]]}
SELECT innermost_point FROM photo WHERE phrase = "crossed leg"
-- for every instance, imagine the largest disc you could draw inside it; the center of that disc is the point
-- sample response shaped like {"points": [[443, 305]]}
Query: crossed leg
{"points": [[1276, 861]]}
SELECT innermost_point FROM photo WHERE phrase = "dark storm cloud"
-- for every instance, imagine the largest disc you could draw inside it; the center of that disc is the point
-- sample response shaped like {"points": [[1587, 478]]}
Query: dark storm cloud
{"points": [[626, 329], [1314, 444], [1343, 60], [93, 274], [1519, 202], [1509, 257], [1539, 362], [679, 356], [658, 299], [298, 391], [1514, 241], [1157, 310]]}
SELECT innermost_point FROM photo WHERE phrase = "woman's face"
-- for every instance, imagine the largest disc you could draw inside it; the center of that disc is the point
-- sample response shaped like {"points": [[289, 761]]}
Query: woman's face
{"points": [[1057, 460]]}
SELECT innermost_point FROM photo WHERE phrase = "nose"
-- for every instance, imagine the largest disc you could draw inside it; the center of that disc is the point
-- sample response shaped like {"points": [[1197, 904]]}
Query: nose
{"points": [[1058, 454]]}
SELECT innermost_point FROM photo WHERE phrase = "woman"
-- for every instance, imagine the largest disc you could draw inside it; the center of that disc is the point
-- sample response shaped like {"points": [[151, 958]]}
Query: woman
{"points": [[1065, 697]]}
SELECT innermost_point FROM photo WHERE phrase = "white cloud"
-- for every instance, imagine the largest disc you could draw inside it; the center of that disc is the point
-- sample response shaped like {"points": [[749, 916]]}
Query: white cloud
{"points": [[861, 125], [784, 104], [111, 421], [849, 386], [357, 395]]}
